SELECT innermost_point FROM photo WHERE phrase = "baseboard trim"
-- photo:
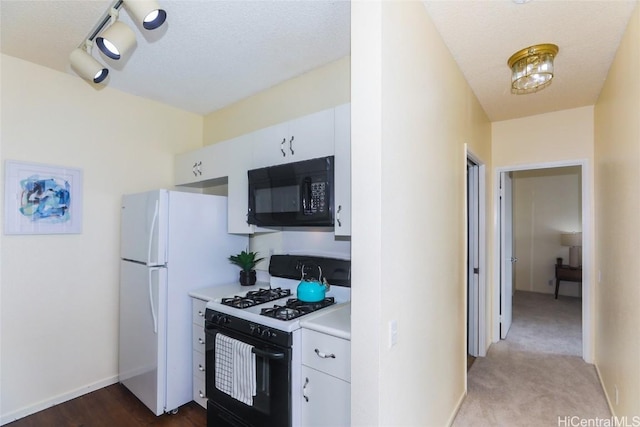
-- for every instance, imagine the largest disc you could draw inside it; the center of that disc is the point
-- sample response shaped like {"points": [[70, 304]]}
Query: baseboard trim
{"points": [[457, 408], [61, 398], [604, 389]]}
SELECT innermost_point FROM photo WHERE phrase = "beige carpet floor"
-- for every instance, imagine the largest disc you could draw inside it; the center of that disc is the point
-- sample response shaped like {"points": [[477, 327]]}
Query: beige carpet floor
{"points": [[536, 377]]}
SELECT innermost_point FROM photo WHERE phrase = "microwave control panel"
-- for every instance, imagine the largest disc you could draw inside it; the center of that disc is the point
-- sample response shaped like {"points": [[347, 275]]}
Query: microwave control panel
{"points": [[318, 197]]}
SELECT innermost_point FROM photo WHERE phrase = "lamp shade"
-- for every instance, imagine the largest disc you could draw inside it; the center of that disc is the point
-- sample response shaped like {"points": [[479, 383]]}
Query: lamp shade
{"points": [[147, 12], [116, 40], [87, 66], [571, 239]]}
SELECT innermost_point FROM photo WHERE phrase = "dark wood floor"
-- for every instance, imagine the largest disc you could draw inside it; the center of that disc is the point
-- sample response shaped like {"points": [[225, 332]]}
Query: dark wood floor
{"points": [[112, 406], [470, 360]]}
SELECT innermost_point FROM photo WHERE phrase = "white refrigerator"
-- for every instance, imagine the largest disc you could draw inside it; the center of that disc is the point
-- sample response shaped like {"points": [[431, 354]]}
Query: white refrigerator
{"points": [[170, 243]]}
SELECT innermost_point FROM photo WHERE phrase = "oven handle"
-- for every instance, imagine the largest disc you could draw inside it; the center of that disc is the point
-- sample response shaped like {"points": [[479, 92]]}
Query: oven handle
{"points": [[267, 354]]}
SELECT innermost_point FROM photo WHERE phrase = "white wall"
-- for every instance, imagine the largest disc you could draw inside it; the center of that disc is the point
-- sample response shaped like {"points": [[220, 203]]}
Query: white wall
{"points": [[617, 153], [59, 307], [546, 202], [412, 112]]}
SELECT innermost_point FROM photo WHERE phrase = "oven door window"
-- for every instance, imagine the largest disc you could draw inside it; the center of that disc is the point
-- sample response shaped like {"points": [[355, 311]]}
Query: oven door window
{"points": [[272, 402]]}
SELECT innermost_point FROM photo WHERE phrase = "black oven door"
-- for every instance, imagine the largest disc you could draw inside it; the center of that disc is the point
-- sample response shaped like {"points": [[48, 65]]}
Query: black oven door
{"points": [[293, 194], [272, 402]]}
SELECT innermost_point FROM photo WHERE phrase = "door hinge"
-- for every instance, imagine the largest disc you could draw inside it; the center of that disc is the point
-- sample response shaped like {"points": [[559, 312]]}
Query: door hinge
{"points": [[476, 271], [500, 318]]}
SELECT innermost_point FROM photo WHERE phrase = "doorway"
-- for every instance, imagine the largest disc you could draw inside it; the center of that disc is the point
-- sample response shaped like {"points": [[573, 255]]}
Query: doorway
{"points": [[541, 280], [476, 258]]}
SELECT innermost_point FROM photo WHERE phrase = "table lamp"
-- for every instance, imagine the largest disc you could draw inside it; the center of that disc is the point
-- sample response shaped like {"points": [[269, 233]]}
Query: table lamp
{"points": [[574, 241]]}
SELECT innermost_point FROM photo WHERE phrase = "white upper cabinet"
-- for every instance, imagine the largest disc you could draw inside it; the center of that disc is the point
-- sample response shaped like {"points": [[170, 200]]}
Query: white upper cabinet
{"points": [[342, 171], [326, 133], [304, 138], [205, 163], [238, 183]]}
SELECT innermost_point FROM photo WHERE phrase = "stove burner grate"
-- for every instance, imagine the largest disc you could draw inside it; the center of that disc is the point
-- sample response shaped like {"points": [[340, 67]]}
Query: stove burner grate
{"points": [[253, 298], [295, 308]]}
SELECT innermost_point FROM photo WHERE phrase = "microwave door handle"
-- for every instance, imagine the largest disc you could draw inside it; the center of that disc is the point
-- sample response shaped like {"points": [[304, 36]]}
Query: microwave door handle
{"points": [[306, 195]]}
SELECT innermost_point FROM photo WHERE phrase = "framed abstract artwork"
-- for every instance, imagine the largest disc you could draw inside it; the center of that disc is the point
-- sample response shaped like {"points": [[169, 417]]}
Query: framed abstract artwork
{"points": [[42, 199]]}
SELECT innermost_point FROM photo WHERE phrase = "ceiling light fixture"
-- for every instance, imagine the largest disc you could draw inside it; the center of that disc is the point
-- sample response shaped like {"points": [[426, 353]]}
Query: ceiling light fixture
{"points": [[532, 68], [117, 40], [86, 65], [148, 13]]}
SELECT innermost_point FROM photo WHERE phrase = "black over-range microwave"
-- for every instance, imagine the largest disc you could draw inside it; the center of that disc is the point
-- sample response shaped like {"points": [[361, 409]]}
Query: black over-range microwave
{"points": [[295, 194]]}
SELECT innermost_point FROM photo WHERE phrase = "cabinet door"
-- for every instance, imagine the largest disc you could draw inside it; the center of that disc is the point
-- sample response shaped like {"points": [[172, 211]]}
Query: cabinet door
{"points": [[326, 400], [270, 146], [188, 167], [342, 200], [312, 136], [304, 138], [238, 185], [206, 163]]}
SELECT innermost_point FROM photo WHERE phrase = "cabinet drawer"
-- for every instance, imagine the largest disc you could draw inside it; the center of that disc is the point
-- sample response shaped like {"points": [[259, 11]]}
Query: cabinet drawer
{"points": [[198, 337], [198, 392], [198, 307], [198, 365], [327, 354]]}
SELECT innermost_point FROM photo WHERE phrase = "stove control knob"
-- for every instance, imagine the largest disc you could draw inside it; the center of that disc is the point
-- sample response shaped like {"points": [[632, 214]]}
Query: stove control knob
{"points": [[221, 319], [266, 333], [258, 331]]}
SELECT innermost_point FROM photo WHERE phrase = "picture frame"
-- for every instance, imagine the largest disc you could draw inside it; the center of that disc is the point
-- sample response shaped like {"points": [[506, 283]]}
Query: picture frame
{"points": [[42, 199]]}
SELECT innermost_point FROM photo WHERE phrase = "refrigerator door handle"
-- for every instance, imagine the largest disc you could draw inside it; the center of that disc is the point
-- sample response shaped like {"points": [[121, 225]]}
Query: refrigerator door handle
{"points": [[153, 227], [153, 309]]}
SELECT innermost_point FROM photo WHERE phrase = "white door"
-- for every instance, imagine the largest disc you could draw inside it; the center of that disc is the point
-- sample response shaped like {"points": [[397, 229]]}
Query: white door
{"points": [[141, 358], [143, 225], [473, 261], [507, 256]]}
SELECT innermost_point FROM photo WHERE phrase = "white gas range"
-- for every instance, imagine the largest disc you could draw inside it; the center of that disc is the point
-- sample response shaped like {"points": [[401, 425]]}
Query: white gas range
{"points": [[268, 320], [284, 311]]}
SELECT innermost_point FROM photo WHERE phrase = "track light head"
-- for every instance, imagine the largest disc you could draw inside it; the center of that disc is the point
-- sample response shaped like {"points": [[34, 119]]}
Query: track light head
{"points": [[87, 66], [117, 40], [146, 12]]}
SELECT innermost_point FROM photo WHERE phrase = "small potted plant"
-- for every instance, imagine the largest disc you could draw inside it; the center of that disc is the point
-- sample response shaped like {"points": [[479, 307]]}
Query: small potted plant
{"points": [[247, 262]]}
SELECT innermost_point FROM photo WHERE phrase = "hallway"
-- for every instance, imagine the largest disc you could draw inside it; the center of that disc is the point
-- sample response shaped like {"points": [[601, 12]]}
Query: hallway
{"points": [[536, 377]]}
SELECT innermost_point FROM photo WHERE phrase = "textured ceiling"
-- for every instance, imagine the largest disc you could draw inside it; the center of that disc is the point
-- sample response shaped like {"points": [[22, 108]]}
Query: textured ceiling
{"points": [[210, 54], [482, 35]]}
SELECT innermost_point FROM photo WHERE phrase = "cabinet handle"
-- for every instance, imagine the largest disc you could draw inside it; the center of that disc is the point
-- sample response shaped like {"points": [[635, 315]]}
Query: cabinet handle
{"points": [[338, 216], [200, 340], [201, 394], [200, 313], [194, 169], [324, 355], [281, 147], [291, 146], [304, 389], [199, 168], [200, 367]]}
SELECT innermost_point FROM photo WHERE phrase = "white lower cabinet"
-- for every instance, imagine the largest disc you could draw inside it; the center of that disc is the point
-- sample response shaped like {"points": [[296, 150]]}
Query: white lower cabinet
{"points": [[326, 399], [326, 376], [198, 340]]}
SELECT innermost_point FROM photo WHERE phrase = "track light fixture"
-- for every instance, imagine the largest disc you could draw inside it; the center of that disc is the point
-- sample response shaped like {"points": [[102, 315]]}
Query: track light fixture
{"points": [[147, 13], [86, 65], [117, 40]]}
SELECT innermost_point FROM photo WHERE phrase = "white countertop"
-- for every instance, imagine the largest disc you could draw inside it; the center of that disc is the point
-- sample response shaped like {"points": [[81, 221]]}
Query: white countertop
{"points": [[225, 290], [335, 321]]}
